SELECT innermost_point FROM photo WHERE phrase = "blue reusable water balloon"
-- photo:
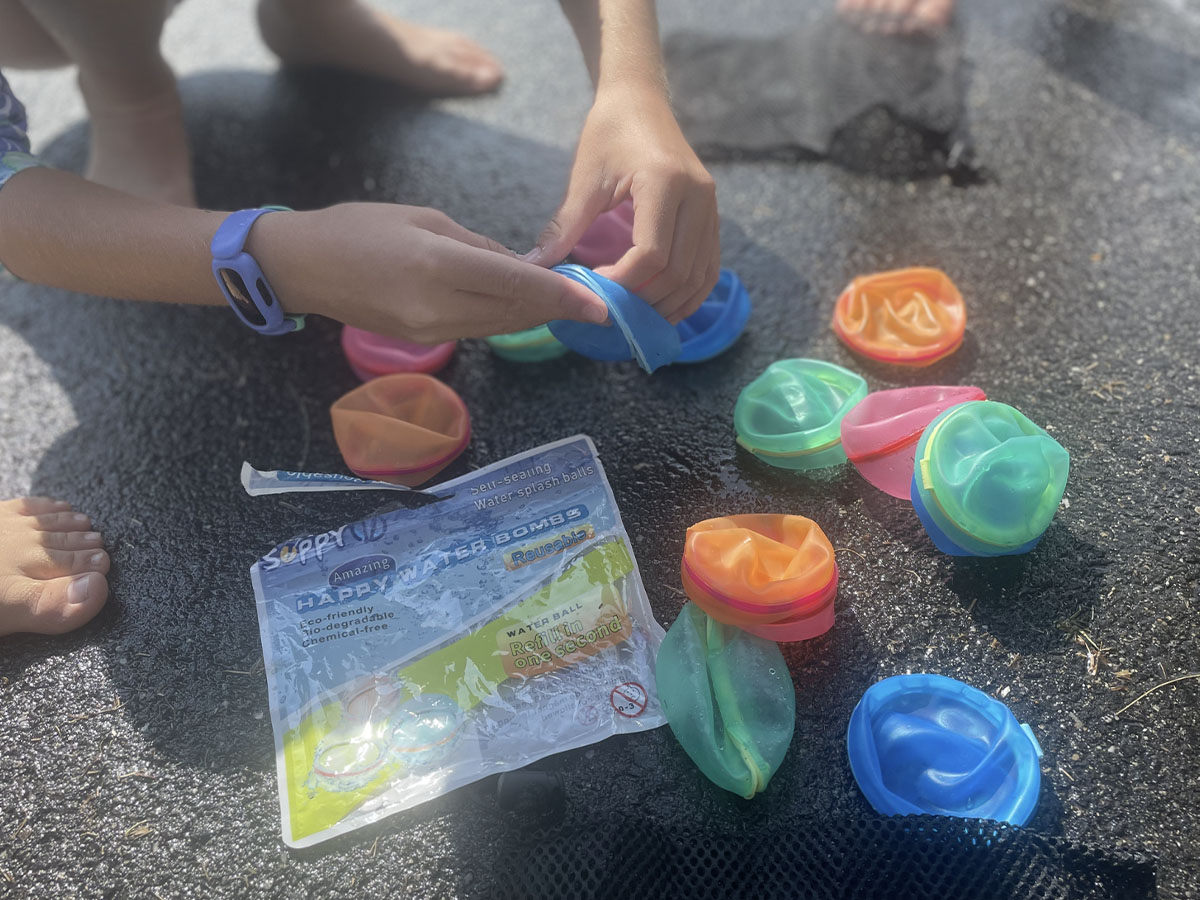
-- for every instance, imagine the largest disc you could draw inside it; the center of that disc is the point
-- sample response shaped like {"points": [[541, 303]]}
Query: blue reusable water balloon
{"points": [[637, 331], [930, 744], [718, 323]]}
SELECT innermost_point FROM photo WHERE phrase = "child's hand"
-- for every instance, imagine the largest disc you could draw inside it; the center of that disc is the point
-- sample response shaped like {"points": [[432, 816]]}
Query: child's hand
{"points": [[632, 146], [410, 272]]}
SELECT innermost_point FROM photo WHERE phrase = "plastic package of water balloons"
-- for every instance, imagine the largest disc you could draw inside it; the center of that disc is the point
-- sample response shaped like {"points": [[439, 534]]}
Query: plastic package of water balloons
{"points": [[419, 650]]}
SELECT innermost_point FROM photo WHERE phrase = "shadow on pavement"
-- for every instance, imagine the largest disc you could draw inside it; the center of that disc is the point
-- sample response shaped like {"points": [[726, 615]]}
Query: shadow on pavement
{"points": [[1025, 600], [1154, 82]]}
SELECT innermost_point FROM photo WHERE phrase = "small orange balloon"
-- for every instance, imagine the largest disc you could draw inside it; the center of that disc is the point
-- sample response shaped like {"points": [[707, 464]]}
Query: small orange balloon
{"points": [[402, 428], [909, 317], [774, 575]]}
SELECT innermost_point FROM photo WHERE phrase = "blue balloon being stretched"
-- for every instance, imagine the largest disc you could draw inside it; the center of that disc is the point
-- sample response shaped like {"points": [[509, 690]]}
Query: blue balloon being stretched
{"points": [[639, 332]]}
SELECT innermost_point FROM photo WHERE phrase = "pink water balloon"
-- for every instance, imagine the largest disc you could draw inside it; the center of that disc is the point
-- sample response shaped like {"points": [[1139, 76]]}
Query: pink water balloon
{"points": [[371, 355], [880, 434], [608, 238]]}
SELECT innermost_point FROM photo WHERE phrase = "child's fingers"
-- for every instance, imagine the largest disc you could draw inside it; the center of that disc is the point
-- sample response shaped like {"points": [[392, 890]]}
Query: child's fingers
{"points": [[688, 300], [578, 210], [439, 223], [484, 315], [894, 14], [685, 272], [529, 292], [712, 275], [654, 214]]}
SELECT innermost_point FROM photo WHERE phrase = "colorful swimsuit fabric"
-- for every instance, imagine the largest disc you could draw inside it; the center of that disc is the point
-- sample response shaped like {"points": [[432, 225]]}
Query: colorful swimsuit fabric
{"points": [[14, 142]]}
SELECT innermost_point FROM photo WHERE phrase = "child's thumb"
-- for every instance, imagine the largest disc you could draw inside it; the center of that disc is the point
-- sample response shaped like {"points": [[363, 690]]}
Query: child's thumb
{"points": [[566, 227]]}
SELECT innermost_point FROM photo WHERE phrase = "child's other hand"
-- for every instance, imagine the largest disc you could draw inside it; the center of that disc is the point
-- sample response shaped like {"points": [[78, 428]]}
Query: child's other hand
{"points": [[410, 272], [631, 146]]}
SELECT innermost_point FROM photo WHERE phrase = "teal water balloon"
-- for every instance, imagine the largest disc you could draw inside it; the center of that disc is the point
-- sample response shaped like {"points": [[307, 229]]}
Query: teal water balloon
{"points": [[986, 480], [729, 699], [531, 345], [791, 415]]}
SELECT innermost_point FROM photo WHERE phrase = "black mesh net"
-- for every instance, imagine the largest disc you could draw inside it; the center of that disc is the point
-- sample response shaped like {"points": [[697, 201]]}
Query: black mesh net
{"points": [[893, 858]]}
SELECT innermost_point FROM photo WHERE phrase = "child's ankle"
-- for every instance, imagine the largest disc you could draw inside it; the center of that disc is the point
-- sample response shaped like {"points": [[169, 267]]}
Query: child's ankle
{"points": [[128, 87]]}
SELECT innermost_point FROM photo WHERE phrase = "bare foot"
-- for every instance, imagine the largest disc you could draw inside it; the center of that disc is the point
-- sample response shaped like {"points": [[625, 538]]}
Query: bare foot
{"points": [[348, 34], [52, 567], [898, 16], [138, 142]]}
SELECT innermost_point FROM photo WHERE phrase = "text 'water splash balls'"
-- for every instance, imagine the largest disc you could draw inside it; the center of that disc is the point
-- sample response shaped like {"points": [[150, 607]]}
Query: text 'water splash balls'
{"points": [[791, 415], [987, 481], [909, 317], [371, 355], [636, 330], [402, 429], [608, 238], [880, 434], [930, 744], [729, 699], [774, 575], [531, 345]]}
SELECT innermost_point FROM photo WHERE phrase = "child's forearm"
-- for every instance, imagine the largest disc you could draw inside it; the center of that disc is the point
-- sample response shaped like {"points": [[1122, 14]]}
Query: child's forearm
{"points": [[60, 230], [620, 44], [402, 271]]}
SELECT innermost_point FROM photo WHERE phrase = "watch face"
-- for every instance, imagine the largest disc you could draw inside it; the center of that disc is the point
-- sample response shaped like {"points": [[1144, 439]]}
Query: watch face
{"points": [[237, 291]]}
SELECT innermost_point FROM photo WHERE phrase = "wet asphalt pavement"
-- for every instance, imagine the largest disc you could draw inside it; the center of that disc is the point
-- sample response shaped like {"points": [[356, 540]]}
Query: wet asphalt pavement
{"points": [[136, 755]]}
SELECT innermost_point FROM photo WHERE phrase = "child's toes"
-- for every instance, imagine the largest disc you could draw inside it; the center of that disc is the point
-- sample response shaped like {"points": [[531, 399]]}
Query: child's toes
{"points": [[52, 567], [71, 540], [62, 521], [932, 16], [35, 506], [50, 606], [45, 562], [483, 69], [68, 602]]}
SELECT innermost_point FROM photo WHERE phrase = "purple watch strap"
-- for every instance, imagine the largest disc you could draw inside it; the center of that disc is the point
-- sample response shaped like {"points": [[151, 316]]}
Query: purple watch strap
{"points": [[242, 280]]}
